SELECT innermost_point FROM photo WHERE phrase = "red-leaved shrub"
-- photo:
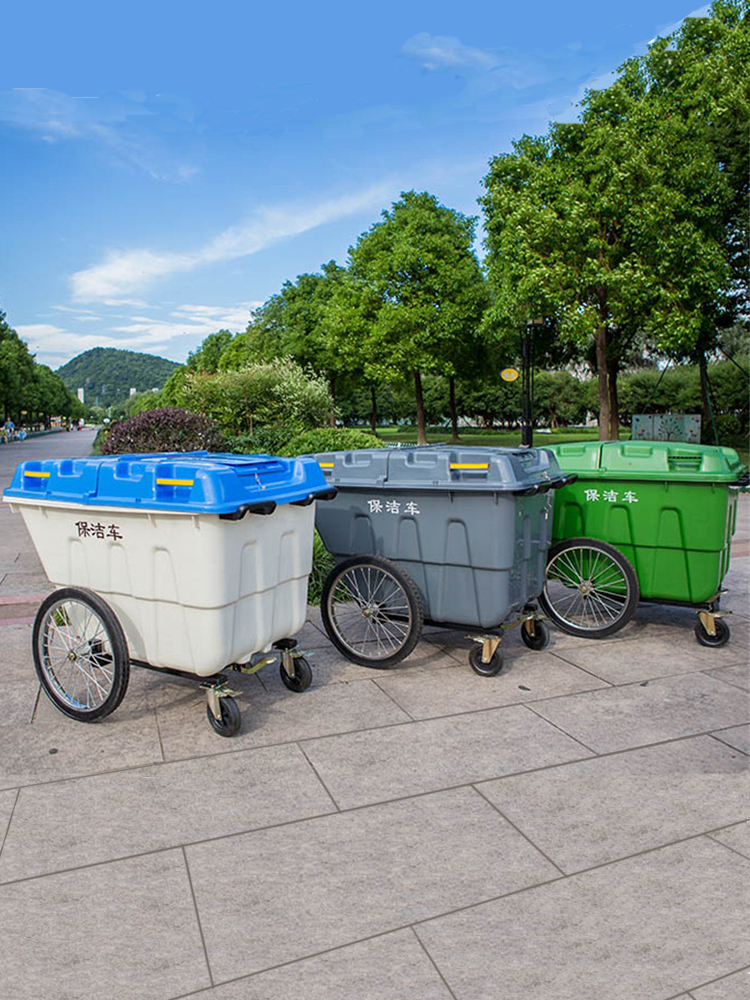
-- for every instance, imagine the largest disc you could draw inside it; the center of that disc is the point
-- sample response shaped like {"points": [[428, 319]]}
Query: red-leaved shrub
{"points": [[163, 430]]}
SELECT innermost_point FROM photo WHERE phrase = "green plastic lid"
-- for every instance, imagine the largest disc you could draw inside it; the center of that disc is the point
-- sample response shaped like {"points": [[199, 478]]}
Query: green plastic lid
{"points": [[644, 460]]}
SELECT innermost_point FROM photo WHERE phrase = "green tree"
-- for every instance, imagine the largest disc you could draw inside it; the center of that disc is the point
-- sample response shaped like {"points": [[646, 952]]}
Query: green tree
{"points": [[417, 280], [292, 325], [618, 224], [206, 357]]}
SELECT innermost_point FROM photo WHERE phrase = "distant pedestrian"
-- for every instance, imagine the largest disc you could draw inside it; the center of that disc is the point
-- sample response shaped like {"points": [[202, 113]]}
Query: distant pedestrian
{"points": [[9, 430]]}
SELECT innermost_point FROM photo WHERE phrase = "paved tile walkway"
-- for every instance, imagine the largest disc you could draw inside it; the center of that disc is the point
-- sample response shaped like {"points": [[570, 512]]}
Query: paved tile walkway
{"points": [[575, 828]]}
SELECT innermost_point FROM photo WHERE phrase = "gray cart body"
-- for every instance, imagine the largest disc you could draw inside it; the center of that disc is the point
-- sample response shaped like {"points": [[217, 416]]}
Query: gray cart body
{"points": [[470, 526]]}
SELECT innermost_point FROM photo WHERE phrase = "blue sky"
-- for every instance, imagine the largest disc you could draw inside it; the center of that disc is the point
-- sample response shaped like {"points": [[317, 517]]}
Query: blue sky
{"points": [[165, 167]]}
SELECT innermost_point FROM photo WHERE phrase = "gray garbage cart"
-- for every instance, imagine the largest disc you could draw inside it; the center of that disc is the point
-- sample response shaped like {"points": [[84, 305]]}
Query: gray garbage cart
{"points": [[456, 537]]}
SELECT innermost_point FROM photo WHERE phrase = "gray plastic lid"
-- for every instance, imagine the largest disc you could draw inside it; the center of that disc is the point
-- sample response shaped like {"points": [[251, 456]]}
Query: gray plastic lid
{"points": [[445, 467]]}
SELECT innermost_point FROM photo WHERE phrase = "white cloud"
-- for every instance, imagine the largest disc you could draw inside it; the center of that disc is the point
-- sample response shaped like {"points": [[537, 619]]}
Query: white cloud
{"points": [[155, 135], [123, 272], [446, 52]]}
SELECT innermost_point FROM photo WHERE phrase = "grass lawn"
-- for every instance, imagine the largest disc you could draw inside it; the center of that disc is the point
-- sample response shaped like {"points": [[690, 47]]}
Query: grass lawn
{"points": [[476, 436]]}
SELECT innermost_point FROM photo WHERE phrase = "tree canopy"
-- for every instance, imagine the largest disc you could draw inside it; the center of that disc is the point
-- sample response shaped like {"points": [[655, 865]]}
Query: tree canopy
{"points": [[28, 390], [631, 219], [416, 275]]}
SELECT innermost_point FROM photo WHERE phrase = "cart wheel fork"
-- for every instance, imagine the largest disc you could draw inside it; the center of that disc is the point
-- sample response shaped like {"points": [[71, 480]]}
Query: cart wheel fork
{"points": [[708, 618], [490, 645], [216, 689]]}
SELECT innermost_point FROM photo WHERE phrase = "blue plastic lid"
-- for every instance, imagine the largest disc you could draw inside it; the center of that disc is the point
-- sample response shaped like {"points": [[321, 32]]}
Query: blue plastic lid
{"points": [[189, 482]]}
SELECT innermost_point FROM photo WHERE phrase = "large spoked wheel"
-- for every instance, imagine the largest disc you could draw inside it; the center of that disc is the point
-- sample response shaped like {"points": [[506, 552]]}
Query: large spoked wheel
{"points": [[590, 588], [371, 611], [80, 654]]}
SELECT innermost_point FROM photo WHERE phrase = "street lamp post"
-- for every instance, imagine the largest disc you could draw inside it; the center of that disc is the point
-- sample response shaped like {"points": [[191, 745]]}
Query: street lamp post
{"points": [[527, 369]]}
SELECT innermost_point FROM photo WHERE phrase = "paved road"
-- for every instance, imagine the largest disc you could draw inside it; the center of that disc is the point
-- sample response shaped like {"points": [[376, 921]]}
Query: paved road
{"points": [[22, 580], [572, 829], [65, 444]]}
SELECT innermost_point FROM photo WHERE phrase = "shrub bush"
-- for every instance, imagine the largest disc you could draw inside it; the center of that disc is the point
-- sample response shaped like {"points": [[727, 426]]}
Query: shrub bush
{"points": [[323, 563], [163, 430], [329, 439], [262, 441], [276, 393]]}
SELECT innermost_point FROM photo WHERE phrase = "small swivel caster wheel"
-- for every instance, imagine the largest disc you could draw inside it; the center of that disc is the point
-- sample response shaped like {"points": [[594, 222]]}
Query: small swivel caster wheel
{"points": [[231, 717], [706, 639], [301, 679], [535, 634], [490, 669]]}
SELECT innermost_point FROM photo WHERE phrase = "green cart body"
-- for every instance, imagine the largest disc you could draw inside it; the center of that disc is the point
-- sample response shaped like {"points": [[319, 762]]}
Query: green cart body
{"points": [[669, 508]]}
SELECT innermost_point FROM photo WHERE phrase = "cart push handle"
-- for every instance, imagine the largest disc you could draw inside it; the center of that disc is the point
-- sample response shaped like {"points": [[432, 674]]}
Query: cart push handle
{"points": [[265, 507], [555, 484]]}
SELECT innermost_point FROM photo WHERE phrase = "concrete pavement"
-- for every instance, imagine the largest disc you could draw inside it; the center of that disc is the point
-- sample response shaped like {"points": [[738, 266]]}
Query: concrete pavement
{"points": [[575, 828]]}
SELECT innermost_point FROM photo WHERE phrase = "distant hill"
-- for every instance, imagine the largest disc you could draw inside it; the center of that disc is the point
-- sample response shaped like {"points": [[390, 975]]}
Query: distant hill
{"points": [[107, 374]]}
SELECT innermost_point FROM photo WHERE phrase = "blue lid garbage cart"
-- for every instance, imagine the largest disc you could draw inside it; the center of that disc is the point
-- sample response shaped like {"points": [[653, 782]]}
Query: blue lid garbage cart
{"points": [[443, 535], [189, 563]]}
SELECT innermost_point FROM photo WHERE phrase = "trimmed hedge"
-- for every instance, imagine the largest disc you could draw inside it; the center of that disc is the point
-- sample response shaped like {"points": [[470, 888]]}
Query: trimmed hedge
{"points": [[329, 439]]}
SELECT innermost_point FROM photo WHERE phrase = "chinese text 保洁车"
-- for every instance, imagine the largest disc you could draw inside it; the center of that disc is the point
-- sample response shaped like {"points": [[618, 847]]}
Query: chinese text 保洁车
{"points": [[90, 529], [393, 507], [611, 496]]}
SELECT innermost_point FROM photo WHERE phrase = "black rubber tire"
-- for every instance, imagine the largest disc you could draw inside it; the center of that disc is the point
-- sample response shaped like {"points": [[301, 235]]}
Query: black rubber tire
{"points": [[608, 606], [231, 717], [386, 599], [485, 669], [540, 637], [94, 666], [720, 639], [302, 675]]}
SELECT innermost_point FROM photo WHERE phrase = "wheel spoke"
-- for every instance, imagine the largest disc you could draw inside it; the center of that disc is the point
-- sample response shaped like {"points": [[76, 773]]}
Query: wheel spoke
{"points": [[587, 588], [370, 612], [76, 655]]}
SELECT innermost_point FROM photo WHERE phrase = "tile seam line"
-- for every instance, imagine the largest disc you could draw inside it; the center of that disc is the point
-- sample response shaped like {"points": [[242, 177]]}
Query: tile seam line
{"points": [[745, 968], [519, 831], [432, 962], [722, 680], [590, 750], [724, 743], [298, 961], [642, 746], [590, 756], [186, 845], [10, 820], [161, 741], [280, 743], [734, 850], [584, 670], [391, 698], [197, 916], [323, 785]]}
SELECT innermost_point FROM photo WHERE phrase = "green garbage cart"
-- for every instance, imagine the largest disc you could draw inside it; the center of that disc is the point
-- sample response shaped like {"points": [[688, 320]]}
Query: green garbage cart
{"points": [[644, 521]]}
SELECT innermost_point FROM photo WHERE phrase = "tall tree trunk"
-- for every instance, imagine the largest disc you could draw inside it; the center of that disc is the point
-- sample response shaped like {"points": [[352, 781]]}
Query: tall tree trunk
{"points": [[373, 409], [452, 407], [614, 402], [419, 397], [602, 380], [707, 430], [332, 414]]}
